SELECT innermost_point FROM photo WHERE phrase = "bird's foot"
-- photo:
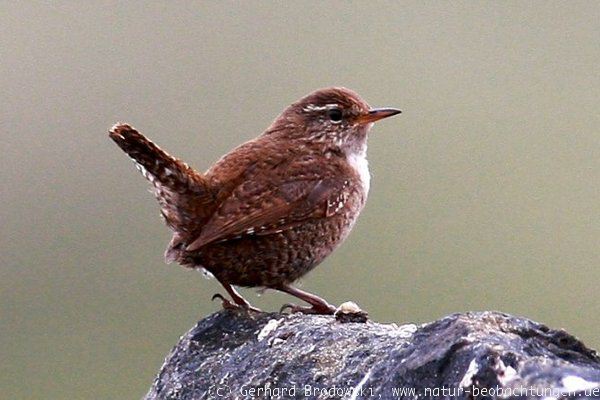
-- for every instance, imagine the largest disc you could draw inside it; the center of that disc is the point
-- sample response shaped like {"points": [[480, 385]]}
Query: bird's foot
{"points": [[321, 309], [229, 305], [319, 305]]}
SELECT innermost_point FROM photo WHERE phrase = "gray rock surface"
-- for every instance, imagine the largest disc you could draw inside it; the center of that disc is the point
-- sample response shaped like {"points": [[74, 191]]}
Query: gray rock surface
{"points": [[235, 355]]}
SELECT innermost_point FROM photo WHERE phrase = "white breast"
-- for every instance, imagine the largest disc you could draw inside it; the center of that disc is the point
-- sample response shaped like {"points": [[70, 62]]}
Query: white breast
{"points": [[358, 161]]}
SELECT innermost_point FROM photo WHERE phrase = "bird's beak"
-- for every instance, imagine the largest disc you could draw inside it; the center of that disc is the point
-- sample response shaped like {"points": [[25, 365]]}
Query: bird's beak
{"points": [[376, 114]]}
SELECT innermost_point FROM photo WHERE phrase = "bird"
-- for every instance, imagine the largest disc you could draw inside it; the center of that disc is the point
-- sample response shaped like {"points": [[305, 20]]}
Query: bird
{"points": [[273, 208]]}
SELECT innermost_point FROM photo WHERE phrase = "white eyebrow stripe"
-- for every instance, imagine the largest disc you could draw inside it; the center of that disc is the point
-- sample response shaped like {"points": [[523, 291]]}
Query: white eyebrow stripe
{"points": [[312, 107]]}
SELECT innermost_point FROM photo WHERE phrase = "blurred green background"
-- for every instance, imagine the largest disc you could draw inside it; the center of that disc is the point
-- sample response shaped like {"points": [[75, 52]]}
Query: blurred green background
{"points": [[485, 191]]}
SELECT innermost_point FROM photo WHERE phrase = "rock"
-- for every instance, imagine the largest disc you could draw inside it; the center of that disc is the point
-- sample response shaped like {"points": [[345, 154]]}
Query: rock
{"points": [[350, 312], [236, 355]]}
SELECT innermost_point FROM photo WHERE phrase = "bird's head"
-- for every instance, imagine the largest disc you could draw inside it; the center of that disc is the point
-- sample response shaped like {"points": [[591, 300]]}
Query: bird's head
{"points": [[334, 117]]}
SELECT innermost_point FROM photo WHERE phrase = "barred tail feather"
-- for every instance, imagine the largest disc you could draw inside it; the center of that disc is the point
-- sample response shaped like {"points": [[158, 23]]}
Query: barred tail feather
{"points": [[181, 191]]}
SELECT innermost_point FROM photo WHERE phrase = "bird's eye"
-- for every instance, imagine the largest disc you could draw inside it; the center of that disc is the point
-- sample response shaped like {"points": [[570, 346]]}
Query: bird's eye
{"points": [[335, 115]]}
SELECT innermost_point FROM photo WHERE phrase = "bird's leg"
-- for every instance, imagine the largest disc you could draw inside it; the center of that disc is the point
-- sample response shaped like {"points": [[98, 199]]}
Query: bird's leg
{"points": [[319, 305], [238, 301]]}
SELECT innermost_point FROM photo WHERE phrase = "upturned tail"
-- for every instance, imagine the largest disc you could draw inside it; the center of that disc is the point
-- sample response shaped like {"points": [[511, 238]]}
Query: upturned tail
{"points": [[183, 193]]}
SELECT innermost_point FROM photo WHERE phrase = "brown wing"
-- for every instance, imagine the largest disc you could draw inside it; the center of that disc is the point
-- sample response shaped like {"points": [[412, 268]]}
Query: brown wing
{"points": [[269, 208]]}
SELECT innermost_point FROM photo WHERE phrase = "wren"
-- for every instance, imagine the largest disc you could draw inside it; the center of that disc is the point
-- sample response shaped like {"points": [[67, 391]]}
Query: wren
{"points": [[273, 208]]}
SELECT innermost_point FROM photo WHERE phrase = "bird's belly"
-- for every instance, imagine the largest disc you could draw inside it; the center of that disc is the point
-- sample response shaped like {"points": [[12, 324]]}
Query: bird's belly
{"points": [[279, 258]]}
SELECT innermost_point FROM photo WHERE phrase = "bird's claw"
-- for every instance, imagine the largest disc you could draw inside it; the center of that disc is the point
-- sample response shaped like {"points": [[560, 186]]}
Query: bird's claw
{"points": [[229, 305], [325, 309]]}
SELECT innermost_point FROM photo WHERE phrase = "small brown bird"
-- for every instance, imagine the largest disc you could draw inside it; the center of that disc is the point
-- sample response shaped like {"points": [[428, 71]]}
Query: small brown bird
{"points": [[273, 208]]}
